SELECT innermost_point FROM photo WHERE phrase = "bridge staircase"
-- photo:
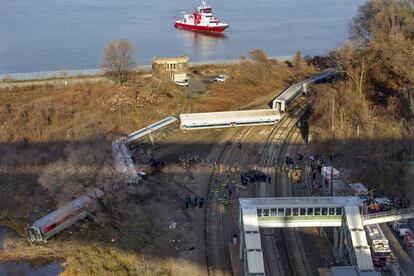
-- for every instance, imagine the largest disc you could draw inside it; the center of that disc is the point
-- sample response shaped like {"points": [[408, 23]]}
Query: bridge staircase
{"points": [[356, 239]]}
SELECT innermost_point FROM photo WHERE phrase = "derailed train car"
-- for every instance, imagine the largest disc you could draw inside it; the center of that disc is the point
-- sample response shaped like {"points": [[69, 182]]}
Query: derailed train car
{"points": [[56, 221], [229, 119], [51, 224], [123, 163], [292, 92]]}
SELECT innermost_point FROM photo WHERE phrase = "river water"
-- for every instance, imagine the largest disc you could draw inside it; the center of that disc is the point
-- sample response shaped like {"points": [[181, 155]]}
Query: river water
{"points": [[41, 35], [22, 267]]}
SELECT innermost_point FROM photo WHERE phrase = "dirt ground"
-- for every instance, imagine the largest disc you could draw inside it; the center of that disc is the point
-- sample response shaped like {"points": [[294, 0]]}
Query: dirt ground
{"points": [[198, 85], [146, 224]]}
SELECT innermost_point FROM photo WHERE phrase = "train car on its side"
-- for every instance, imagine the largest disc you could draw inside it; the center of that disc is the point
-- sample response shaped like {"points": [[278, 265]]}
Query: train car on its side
{"points": [[229, 119], [123, 163], [51, 224]]}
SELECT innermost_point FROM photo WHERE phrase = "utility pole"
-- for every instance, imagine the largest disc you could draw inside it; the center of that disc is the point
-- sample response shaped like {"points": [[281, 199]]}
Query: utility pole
{"points": [[332, 143]]}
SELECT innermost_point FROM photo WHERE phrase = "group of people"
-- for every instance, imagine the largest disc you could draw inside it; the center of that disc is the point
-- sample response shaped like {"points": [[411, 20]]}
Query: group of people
{"points": [[374, 205], [253, 176], [316, 163], [189, 159], [193, 201]]}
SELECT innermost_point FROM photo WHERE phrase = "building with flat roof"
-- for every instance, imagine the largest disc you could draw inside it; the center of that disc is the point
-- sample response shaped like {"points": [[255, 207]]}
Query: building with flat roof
{"points": [[172, 67]]}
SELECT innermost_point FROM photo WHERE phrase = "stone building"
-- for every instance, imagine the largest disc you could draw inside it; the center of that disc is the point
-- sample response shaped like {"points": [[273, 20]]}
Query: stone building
{"points": [[174, 67]]}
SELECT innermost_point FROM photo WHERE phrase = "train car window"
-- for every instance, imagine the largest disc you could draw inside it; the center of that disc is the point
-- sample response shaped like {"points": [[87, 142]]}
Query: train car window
{"points": [[339, 211], [273, 212], [259, 212], [265, 212], [288, 212], [324, 211], [295, 212], [302, 211], [281, 212], [331, 211], [310, 211], [317, 211]]}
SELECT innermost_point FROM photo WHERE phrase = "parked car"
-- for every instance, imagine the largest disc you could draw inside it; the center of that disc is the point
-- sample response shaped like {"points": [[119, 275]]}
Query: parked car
{"points": [[183, 82], [221, 78]]}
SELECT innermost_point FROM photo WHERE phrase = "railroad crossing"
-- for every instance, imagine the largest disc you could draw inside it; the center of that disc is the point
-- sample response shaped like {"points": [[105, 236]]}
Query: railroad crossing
{"points": [[342, 212]]}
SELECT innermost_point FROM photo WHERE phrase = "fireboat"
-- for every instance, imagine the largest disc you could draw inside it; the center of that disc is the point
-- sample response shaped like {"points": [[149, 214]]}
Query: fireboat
{"points": [[201, 20]]}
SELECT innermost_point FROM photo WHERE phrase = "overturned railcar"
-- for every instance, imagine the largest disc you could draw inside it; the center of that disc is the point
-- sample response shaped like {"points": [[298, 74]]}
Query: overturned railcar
{"points": [[51, 224]]}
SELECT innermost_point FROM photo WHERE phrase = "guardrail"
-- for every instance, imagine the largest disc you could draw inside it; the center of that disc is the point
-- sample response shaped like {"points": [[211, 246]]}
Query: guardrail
{"points": [[388, 213]]}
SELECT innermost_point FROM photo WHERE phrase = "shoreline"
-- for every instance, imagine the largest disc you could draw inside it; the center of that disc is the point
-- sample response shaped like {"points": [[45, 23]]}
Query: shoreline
{"points": [[87, 73]]}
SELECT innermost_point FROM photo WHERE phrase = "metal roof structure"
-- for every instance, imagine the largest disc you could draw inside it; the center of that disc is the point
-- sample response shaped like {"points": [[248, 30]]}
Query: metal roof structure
{"points": [[250, 241], [361, 253], [288, 202], [255, 263], [350, 219]]}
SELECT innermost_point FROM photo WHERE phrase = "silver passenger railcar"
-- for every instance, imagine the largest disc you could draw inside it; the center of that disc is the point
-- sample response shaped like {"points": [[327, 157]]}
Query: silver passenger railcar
{"points": [[295, 90], [229, 119], [51, 224], [149, 129]]}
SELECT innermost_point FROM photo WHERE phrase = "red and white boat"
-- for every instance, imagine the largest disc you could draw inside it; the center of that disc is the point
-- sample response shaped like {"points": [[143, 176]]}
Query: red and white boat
{"points": [[201, 20]]}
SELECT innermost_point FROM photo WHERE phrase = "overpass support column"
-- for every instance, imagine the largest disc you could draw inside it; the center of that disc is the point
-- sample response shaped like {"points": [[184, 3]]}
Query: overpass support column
{"points": [[336, 238], [341, 243], [241, 244], [152, 139]]}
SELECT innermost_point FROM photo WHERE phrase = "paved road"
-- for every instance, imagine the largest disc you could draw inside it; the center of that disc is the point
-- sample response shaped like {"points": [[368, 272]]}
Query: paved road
{"points": [[404, 260]]}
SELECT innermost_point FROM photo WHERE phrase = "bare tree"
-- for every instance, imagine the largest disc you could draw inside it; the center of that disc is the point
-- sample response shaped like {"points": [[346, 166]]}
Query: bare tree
{"points": [[119, 60], [297, 64], [354, 64]]}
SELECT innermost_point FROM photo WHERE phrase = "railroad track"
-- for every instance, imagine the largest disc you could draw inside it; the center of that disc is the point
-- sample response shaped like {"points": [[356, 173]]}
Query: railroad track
{"points": [[296, 254], [270, 149], [217, 260], [275, 262]]}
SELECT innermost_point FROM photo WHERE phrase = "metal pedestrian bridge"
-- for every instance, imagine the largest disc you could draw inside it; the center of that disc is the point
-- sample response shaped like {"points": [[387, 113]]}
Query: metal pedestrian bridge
{"points": [[342, 212], [388, 216]]}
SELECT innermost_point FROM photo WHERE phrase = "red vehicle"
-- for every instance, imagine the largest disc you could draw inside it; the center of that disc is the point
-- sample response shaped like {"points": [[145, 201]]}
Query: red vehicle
{"points": [[201, 20], [380, 249], [408, 242]]}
